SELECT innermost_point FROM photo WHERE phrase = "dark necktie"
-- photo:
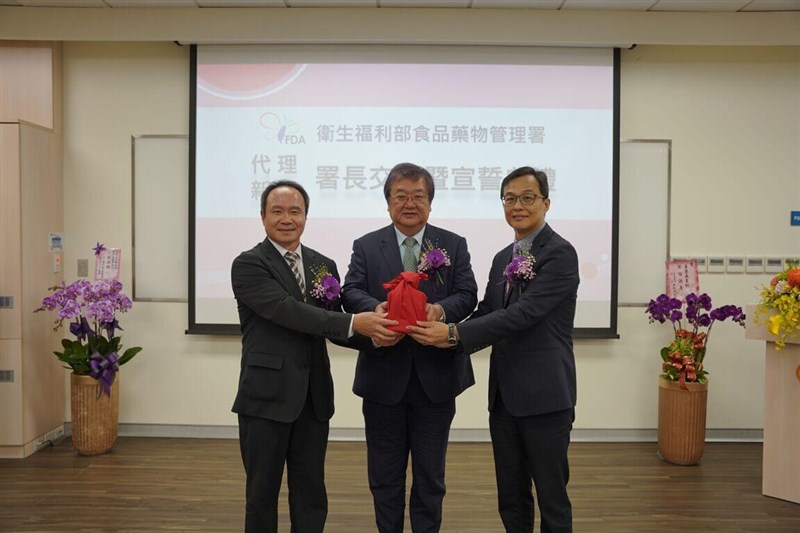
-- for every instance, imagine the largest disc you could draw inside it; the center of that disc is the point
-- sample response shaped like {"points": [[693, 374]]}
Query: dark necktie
{"points": [[291, 258]]}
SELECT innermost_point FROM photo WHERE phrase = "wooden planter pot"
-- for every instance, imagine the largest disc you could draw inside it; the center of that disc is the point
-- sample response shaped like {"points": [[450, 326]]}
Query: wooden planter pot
{"points": [[95, 416], [682, 422]]}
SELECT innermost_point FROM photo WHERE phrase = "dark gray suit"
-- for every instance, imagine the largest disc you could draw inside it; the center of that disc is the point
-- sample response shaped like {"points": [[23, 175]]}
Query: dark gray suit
{"points": [[285, 396], [532, 386], [409, 390]]}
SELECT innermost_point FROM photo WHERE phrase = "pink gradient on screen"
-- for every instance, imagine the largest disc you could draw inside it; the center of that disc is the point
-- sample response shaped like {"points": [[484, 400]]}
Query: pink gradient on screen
{"points": [[222, 239], [361, 85]]}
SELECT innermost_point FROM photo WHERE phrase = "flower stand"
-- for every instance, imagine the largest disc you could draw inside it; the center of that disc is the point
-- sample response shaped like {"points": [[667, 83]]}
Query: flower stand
{"points": [[681, 422], [95, 416]]}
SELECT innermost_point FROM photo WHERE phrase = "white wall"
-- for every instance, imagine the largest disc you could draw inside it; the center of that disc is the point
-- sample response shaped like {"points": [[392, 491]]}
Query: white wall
{"points": [[733, 114]]}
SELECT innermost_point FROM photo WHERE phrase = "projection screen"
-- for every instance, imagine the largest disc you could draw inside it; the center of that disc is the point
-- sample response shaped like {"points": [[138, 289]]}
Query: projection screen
{"points": [[337, 118]]}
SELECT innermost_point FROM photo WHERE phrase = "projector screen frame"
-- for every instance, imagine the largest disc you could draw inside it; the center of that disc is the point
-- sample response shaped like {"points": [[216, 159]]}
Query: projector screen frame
{"points": [[194, 327]]}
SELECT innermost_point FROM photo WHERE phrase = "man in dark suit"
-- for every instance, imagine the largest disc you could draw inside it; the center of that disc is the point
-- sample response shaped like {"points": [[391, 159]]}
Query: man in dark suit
{"points": [[532, 389], [285, 396], [409, 390]]}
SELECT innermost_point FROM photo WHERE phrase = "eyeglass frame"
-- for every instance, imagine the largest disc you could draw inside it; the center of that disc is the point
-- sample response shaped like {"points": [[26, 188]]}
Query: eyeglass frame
{"points": [[521, 201], [420, 199]]}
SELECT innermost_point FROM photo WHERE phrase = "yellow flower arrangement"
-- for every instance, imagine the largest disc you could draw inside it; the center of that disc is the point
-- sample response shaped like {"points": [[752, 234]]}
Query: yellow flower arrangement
{"points": [[782, 296]]}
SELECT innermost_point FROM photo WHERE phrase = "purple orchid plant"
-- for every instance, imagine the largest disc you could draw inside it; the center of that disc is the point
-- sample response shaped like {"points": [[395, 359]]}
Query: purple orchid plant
{"points": [[90, 309], [325, 287], [683, 358], [432, 261]]}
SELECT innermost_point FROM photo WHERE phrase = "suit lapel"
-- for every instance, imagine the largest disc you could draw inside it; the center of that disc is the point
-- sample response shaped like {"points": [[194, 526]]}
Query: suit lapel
{"points": [[391, 252], [508, 254], [540, 240], [281, 268], [310, 261], [536, 247], [430, 236]]}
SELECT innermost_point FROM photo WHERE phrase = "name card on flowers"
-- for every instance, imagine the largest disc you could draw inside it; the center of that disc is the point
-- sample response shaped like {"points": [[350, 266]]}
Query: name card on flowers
{"points": [[108, 263], [682, 278]]}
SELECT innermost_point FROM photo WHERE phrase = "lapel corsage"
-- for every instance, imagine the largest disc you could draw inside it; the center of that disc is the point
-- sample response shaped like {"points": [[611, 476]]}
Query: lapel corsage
{"points": [[520, 270], [432, 261], [325, 288]]}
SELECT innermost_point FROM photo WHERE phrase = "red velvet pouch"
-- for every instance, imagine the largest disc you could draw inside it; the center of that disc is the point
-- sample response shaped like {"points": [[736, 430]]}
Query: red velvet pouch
{"points": [[405, 302]]}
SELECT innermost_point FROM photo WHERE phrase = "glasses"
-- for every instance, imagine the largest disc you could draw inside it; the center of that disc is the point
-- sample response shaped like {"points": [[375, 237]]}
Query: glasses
{"points": [[526, 199], [417, 199]]}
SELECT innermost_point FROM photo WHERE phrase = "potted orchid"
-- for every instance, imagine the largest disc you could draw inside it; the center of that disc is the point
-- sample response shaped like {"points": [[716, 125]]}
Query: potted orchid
{"points": [[683, 384], [90, 309], [94, 354], [683, 358]]}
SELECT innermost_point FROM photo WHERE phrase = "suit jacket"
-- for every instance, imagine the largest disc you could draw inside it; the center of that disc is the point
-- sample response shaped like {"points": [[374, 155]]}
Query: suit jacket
{"points": [[283, 338], [382, 374], [532, 363]]}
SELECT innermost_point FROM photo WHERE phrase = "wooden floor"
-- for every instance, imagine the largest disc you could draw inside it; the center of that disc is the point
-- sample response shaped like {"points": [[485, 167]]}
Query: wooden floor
{"points": [[151, 484]]}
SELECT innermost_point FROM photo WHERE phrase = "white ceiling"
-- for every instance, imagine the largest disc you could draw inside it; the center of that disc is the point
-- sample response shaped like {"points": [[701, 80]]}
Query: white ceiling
{"points": [[620, 5]]}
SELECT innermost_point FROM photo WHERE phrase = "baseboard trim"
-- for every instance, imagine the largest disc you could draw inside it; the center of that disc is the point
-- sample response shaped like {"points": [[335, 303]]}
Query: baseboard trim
{"points": [[456, 435]]}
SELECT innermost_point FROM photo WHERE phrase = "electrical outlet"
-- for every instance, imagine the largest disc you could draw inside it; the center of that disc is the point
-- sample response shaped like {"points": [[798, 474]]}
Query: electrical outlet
{"points": [[59, 433], [38, 444], [773, 265], [702, 263], [716, 264], [754, 265], [734, 264]]}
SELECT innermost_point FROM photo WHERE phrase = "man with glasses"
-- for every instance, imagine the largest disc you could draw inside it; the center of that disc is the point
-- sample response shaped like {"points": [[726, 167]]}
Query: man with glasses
{"points": [[527, 317], [409, 390]]}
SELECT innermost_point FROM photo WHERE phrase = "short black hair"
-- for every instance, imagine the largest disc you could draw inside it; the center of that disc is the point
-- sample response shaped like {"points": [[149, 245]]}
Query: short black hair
{"points": [[412, 171], [540, 176], [282, 183]]}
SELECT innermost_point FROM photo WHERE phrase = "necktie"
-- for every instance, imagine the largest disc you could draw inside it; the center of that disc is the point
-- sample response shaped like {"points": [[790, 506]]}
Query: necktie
{"points": [[409, 255], [291, 258]]}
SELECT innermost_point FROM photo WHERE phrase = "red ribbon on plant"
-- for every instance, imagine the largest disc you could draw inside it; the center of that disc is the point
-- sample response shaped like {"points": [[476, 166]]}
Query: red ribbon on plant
{"points": [[686, 366]]}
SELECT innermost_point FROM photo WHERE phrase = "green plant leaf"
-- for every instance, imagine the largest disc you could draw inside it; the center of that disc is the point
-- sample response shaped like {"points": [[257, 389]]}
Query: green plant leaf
{"points": [[128, 355], [665, 354]]}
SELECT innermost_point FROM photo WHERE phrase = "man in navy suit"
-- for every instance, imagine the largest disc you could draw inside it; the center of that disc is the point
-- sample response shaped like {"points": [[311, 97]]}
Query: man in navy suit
{"points": [[285, 396], [532, 389], [409, 390]]}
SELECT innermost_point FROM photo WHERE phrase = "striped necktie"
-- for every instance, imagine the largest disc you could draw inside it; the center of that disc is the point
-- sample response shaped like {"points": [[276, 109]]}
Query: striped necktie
{"points": [[291, 258], [409, 255]]}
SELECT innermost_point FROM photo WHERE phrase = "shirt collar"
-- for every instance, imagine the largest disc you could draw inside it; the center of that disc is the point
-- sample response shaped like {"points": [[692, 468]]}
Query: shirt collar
{"points": [[526, 242], [401, 237], [282, 250]]}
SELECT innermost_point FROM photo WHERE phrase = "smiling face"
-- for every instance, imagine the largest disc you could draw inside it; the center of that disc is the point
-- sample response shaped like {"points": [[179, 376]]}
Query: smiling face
{"points": [[410, 215], [525, 218], [284, 216]]}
